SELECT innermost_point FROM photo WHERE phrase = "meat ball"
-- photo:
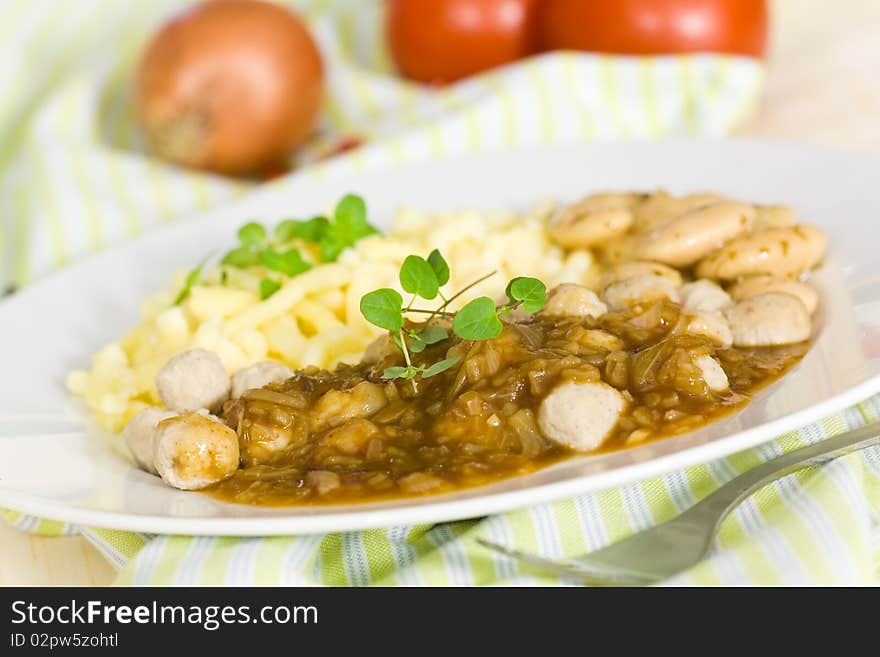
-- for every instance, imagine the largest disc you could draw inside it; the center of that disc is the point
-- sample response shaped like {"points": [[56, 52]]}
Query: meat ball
{"points": [[703, 295], [769, 319], [337, 407], [780, 252], [580, 415], [712, 373], [379, 349], [193, 451], [661, 208], [708, 323], [637, 290], [774, 216], [637, 268], [593, 220], [258, 375], [139, 434], [570, 300], [695, 234], [193, 380], [752, 286]]}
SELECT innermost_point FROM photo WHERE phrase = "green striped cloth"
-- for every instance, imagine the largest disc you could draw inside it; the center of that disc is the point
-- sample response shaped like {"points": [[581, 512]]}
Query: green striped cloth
{"points": [[74, 178]]}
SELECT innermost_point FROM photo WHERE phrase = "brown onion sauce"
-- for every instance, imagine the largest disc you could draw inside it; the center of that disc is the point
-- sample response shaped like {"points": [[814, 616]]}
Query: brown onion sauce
{"points": [[305, 443]]}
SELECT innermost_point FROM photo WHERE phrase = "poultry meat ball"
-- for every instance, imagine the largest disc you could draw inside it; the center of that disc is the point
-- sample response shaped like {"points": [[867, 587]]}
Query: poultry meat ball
{"points": [[193, 380]]}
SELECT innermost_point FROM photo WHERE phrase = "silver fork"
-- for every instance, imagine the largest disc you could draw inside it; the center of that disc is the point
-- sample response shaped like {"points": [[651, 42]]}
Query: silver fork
{"points": [[678, 544]]}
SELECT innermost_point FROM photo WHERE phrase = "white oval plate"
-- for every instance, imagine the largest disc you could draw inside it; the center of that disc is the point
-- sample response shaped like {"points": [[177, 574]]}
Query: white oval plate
{"points": [[53, 466]]}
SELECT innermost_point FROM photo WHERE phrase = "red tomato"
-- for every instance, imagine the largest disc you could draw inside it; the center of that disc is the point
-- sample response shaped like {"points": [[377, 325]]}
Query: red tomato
{"points": [[440, 41], [652, 27]]}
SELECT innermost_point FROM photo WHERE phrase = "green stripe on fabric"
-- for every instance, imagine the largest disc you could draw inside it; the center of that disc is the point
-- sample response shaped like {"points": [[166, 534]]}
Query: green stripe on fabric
{"points": [[700, 481], [216, 563], [703, 574], [571, 537], [826, 492], [429, 559], [719, 79], [611, 510], [658, 500], [126, 544], [380, 557], [15, 130], [797, 534], [742, 461], [22, 273], [867, 412], [755, 562], [689, 109], [732, 535], [495, 81], [649, 93], [480, 564], [71, 108], [268, 559], [609, 95], [50, 528], [335, 114], [58, 241], [332, 567], [165, 569], [543, 105], [573, 86]]}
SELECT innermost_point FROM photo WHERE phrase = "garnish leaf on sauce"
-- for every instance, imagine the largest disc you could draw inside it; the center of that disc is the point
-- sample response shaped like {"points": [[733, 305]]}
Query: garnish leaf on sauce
{"points": [[477, 320], [418, 277], [432, 334], [440, 366], [383, 308], [530, 292], [440, 266]]}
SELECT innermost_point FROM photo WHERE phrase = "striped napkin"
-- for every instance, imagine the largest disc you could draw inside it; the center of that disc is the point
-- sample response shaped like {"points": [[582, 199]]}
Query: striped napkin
{"points": [[75, 178]]}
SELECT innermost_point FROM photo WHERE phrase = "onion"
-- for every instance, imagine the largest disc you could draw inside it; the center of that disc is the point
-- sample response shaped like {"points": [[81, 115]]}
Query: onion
{"points": [[230, 85]]}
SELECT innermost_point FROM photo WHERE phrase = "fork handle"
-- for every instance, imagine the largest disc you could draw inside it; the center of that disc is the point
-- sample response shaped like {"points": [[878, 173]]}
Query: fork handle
{"points": [[725, 499]]}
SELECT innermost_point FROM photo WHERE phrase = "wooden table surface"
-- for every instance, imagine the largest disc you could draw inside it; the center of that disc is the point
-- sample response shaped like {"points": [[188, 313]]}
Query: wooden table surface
{"points": [[823, 86]]}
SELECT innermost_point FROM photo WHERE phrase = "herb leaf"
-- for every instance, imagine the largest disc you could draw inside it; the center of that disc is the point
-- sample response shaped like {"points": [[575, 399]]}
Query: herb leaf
{"points": [[383, 308], [440, 366], [432, 334], [418, 277], [350, 225], [289, 262], [477, 320], [268, 287], [530, 291], [312, 230], [252, 234], [191, 279], [416, 345], [242, 256], [398, 372], [440, 267], [351, 217]]}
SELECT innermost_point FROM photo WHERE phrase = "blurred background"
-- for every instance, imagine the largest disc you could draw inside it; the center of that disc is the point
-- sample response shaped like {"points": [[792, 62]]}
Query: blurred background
{"points": [[119, 116]]}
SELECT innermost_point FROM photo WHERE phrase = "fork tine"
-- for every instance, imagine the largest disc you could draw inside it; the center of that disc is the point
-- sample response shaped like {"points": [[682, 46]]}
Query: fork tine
{"points": [[579, 570]]}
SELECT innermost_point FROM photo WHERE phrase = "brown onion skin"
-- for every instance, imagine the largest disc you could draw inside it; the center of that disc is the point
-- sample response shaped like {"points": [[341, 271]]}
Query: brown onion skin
{"points": [[231, 86]]}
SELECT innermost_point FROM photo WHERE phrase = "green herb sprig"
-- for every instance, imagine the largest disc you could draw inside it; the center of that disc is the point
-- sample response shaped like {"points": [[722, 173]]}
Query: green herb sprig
{"points": [[274, 251], [479, 319]]}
